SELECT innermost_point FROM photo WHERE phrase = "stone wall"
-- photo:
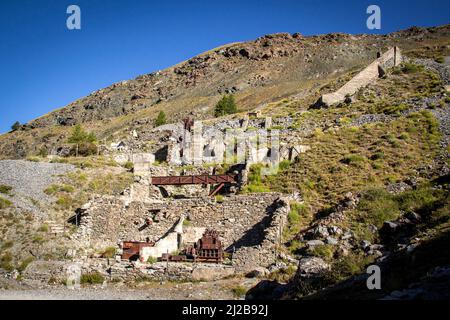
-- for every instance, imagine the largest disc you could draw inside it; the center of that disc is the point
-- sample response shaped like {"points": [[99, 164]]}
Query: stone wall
{"points": [[44, 273], [240, 219], [264, 254], [389, 59]]}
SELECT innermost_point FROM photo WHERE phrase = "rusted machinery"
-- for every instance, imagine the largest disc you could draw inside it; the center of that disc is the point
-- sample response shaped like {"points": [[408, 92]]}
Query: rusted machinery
{"points": [[132, 249], [207, 249], [220, 180]]}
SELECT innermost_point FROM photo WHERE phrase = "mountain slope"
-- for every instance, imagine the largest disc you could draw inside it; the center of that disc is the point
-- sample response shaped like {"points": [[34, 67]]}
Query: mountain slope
{"points": [[268, 69]]}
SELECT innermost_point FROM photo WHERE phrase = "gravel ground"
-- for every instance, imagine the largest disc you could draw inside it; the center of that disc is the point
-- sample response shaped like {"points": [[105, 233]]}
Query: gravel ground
{"points": [[443, 116], [217, 290], [29, 180], [442, 68]]}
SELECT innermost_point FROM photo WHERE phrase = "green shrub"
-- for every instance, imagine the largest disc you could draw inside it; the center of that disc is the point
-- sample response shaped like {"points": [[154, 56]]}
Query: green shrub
{"points": [[84, 142], [376, 206], [225, 106], [54, 188], [353, 159], [92, 278], [283, 165], [43, 228], [128, 165], [38, 239], [6, 262], [152, 260], [5, 189], [377, 155], [256, 188], [186, 222], [85, 149], [7, 245], [16, 126], [161, 119], [440, 60], [4, 203], [239, 291], [408, 67], [346, 267], [79, 135], [65, 202], [324, 251], [293, 217], [24, 264], [43, 152], [108, 252], [33, 159]]}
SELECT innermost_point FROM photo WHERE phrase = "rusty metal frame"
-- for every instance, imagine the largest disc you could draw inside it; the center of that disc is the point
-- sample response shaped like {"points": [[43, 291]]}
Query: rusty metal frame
{"points": [[197, 179]]}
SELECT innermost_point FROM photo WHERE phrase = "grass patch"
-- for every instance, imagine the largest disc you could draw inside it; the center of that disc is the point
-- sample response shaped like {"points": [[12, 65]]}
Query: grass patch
{"points": [[7, 245], [239, 291], [4, 203], [324, 251], [152, 260], [5, 189], [92, 278], [54, 189], [353, 159], [108, 252], [24, 264], [6, 262]]}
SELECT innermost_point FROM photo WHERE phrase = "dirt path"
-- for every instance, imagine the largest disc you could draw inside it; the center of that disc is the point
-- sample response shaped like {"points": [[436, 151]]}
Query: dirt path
{"points": [[217, 290]]}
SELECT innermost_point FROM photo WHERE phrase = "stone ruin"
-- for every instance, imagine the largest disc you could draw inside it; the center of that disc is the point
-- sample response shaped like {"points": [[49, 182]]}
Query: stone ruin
{"points": [[249, 226], [391, 58]]}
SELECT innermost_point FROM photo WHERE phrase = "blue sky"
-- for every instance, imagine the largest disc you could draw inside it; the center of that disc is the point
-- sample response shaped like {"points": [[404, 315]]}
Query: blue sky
{"points": [[44, 66]]}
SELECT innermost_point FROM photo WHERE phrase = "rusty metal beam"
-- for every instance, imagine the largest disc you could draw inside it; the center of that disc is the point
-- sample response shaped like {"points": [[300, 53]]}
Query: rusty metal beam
{"points": [[198, 179], [217, 189]]}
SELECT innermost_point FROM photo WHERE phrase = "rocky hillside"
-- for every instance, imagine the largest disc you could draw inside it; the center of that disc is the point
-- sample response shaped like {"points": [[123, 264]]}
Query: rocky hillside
{"points": [[271, 68]]}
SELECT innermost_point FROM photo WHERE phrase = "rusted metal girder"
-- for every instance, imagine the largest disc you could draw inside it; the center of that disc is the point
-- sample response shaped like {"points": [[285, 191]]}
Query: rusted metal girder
{"points": [[198, 179]]}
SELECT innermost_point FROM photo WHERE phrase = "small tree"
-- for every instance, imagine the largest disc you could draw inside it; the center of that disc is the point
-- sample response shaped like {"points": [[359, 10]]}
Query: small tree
{"points": [[15, 126], [161, 119], [84, 141], [225, 106], [79, 135]]}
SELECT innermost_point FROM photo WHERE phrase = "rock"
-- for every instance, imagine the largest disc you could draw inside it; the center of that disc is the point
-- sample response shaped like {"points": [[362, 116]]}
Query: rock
{"points": [[365, 245], [347, 235], [389, 226], [375, 253], [257, 273], [342, 251], [311, 265], [321, 231], [332, 241], [86, 206], [349, 99], [334, 230], [376, 247], [413, 217], [411, 247], [313, 243]]}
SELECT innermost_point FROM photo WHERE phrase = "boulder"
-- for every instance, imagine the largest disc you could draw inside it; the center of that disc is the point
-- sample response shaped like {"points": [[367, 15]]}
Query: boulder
{"points": [[313, 243], [332, 241], [311, 266], [258, 272]]}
